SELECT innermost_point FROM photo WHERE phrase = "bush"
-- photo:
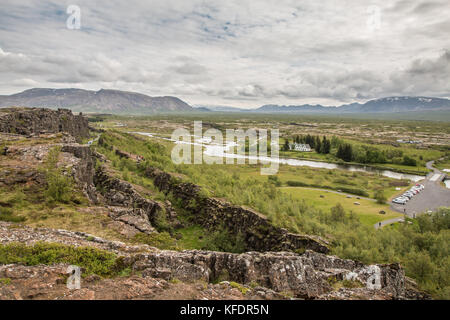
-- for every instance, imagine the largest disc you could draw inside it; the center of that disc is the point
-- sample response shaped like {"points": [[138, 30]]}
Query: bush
{"points": [[408, 161], [94, 261], [380, 197], [59, 185], [221, 240]]}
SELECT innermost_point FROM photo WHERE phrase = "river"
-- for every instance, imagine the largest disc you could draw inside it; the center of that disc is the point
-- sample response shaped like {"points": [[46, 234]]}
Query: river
{"points": [[215, 150]]}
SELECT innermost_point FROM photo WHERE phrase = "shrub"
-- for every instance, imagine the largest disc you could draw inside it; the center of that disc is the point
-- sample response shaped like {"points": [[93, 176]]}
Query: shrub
{"points": [[93, 260], [408, 161], [222, 240], [380, 197], [59, 185]]}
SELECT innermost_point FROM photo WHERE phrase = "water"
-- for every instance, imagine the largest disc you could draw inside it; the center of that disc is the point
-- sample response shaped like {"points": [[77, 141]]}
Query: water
{"points": [[216, 150]]}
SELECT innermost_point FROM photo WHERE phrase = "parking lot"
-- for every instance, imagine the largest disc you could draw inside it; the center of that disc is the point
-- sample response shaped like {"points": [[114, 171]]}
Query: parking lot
{"points": [[432, 197]]}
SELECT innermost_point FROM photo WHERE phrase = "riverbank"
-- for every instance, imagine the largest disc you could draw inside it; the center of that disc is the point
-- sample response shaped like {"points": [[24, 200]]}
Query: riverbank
{"points": [[417, 171]]}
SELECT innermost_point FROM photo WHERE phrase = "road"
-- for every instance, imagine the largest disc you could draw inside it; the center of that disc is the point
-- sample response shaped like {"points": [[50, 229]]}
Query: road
{"points": [[387, 222], [431, 198]]}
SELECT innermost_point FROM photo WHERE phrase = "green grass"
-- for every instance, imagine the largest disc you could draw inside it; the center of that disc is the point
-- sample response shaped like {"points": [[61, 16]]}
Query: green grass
{"points": [[92, 260], [161, 240], [329, 179], [193, 237], [367, 211]]}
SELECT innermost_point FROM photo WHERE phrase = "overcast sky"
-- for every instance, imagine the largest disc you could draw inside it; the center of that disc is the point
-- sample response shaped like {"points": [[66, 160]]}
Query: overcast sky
{"points": [[239, 53]]}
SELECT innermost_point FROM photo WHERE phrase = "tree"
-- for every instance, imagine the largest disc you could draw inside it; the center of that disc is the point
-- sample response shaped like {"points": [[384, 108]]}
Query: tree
{"points": [[345, 152], [408, 161], [380, 197], [310, 140], [338, 213], [326, 145], [286, 145], [317, 144]]}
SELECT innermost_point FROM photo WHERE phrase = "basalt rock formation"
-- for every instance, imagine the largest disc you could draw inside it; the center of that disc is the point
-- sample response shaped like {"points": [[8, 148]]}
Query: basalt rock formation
{"points": [[309, 275], [258, 232], [29, 121], [131, 207]]}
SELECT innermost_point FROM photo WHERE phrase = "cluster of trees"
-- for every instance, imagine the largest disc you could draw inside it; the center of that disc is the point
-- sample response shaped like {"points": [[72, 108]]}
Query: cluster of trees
{"points": [[348, 151], [320, 145], [345, 152], [369, 154]]}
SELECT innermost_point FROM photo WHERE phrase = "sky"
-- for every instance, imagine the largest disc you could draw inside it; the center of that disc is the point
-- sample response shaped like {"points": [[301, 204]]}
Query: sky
{"points": [[232, 53]]}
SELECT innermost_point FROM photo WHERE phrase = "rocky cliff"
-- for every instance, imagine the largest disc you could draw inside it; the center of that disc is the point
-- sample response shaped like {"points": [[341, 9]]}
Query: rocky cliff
{"points": [[265, 275], [29, 121], [258, 232]]}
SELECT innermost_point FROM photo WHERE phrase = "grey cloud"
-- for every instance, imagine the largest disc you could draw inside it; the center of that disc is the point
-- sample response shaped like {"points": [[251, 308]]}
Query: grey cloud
{"points": [[251, 52]]}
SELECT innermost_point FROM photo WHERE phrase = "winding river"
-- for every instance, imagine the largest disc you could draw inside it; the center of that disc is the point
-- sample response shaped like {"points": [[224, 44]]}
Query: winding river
{"points": [[212, 149]]}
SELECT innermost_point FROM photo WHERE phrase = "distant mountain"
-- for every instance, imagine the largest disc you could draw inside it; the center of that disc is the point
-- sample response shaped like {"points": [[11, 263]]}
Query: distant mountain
{"points": [[221, 108], [105, 101], [202, 109], [383, 105], [274, 108]]}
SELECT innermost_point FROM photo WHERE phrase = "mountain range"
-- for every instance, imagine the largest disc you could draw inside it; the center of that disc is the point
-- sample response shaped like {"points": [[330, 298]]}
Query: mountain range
{"points": [[124, 102], [383, 105], [104, 101]]}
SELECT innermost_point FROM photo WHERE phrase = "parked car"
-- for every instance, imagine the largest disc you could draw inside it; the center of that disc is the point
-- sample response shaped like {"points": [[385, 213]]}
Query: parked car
{"points": [[399, 200], [407, 195]]}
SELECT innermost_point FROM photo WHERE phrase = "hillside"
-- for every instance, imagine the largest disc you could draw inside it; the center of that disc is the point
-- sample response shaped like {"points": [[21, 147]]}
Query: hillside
{"points": [[107, 101]]}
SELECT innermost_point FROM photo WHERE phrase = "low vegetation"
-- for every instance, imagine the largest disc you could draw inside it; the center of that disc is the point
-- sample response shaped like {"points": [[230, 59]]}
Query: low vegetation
{"points": [[91, 260]]}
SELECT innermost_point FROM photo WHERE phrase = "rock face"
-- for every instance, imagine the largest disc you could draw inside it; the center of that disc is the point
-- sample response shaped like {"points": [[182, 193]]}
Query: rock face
{"points": [[48, 282], [308, 276], [27, 121], [84, 168], [258, 232], [131, 207]]}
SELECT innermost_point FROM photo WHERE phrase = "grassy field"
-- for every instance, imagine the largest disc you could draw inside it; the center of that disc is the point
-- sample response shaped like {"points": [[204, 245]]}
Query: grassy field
{"points": [[330, 179], [443, 164], [367, 211]]}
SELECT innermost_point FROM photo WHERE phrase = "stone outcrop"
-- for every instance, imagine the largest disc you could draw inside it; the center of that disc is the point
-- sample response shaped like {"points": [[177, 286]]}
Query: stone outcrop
{"points": [[49, 283], [29, 121], [83, 169], [258, 232], [131, 207], [310, 275], [135, 217]]}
